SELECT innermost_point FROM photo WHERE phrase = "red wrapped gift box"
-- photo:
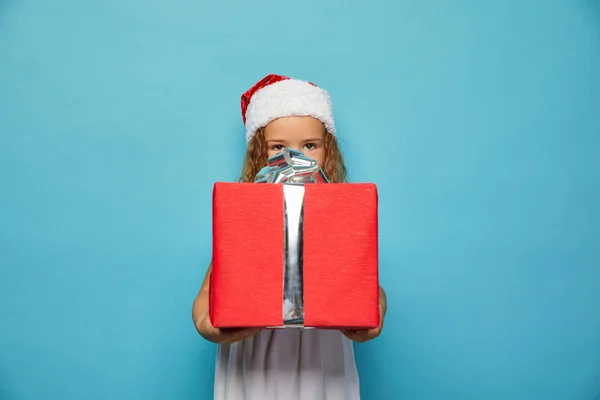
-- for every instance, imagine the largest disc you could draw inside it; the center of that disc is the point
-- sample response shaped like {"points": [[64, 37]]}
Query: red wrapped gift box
{"points": [[340, 256]]}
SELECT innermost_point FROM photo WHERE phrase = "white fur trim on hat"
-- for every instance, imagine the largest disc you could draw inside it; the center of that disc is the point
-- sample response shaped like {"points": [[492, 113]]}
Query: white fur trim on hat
{"points": [[286, 98]]}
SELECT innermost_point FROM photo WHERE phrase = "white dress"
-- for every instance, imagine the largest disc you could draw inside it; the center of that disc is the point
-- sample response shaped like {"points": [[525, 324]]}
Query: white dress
{"points": [[288, 364]]}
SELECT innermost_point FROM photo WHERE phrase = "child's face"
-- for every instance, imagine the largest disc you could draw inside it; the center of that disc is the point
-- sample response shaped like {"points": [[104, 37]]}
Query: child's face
{"points": [[305, 134]]}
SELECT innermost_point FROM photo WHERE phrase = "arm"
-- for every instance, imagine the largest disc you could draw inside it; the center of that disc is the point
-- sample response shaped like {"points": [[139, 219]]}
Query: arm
{"points": [[200, 306], [201, 317], [369, 334]]}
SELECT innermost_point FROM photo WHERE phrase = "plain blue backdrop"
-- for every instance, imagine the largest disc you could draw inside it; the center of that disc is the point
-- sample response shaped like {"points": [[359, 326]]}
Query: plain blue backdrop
{"points": [[479, 121]]}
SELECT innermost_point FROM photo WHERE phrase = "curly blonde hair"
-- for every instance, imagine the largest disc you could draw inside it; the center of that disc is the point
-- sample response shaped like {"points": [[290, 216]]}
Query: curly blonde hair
{"points": [[256, 158]]}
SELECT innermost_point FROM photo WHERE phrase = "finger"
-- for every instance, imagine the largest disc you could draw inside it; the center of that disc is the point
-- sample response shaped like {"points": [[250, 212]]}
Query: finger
{"points": [[361, 335], [353, 335], [226, 335]]}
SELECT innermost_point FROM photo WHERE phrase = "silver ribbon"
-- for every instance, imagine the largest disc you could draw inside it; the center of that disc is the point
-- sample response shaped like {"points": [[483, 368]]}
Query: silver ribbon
{"points": [[293, 169]]}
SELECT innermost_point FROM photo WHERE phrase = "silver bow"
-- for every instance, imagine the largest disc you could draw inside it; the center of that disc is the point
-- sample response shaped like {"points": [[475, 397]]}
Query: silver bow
{"points": [[291, 166]]}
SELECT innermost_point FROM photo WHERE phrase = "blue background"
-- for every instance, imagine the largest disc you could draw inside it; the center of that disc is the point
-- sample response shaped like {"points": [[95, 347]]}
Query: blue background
{"points": [[479, 121]]}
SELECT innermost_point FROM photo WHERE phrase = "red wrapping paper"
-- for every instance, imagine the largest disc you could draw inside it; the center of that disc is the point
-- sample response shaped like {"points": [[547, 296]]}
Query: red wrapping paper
{"points": [[341, 287]]}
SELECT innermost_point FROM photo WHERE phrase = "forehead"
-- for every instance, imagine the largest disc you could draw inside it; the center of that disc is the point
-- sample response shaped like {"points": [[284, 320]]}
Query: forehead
{"points": [[294, 128]]}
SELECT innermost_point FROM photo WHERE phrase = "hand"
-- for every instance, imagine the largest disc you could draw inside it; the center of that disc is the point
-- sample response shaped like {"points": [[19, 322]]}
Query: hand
{"points": [[363, 335], [224, 336]]}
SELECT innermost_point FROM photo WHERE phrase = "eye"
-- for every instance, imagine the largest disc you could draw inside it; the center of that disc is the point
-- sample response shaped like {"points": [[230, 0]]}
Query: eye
{"points": [[277, 147], [310, 146]]}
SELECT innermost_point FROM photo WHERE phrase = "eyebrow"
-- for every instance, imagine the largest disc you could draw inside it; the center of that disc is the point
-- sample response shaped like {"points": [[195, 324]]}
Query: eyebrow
{"points": [[305, 141]]}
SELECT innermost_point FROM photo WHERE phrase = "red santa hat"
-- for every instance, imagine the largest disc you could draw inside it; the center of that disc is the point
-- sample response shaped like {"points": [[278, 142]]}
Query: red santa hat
{"points": [[277, 96]]}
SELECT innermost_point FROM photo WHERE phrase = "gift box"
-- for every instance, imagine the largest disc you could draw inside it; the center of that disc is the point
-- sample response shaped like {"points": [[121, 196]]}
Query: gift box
{"points": [[295, 252]]}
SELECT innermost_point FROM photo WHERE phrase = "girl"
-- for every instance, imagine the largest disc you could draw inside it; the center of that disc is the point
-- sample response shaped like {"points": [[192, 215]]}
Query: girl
{"points": [[285, 364]]}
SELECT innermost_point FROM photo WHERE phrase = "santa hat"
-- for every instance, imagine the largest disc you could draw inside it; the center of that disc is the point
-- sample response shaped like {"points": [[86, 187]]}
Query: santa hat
{"points": [[277, 96]]}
